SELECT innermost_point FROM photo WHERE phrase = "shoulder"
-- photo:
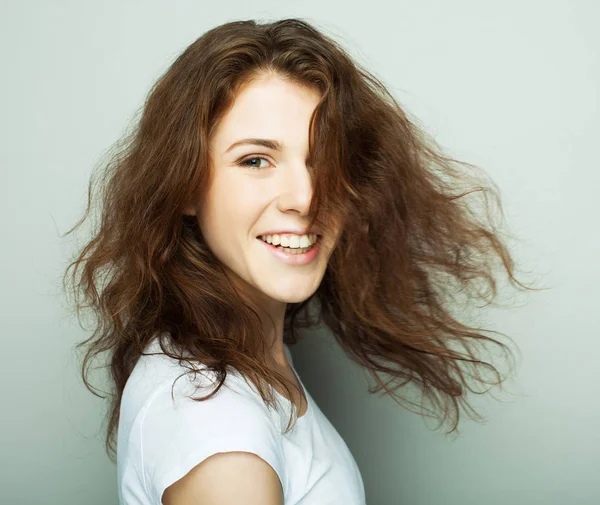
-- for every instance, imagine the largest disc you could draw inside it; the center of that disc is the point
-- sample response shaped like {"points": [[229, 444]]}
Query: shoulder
{"points": [[232, 408], [227, 478], [159, 384], [178, 435]]}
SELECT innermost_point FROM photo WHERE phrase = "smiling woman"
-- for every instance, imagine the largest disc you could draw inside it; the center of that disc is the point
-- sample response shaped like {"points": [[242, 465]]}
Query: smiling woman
{"points": [[269, 174]]}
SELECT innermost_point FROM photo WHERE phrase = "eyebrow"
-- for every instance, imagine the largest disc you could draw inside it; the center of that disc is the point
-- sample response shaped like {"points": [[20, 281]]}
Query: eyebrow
{"points": [[269, 143]]}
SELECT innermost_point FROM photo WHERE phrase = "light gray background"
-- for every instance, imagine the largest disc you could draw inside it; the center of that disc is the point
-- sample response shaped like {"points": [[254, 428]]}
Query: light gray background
{"points": [[511, 86]]}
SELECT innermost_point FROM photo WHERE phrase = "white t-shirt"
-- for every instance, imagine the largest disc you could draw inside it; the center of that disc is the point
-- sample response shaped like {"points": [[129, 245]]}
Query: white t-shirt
{"points": [[161, 439]]}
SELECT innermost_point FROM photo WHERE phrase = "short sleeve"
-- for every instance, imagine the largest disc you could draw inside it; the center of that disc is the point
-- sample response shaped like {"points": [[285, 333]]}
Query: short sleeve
{"points": [[179, 433]]}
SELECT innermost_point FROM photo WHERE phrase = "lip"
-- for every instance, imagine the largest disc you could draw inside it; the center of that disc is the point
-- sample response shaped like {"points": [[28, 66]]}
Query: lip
{"points": [[315, 231], [294, 259]]}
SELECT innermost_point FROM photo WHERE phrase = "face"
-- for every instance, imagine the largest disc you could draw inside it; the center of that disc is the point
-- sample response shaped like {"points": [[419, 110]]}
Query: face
{"points": [[258, 190]]}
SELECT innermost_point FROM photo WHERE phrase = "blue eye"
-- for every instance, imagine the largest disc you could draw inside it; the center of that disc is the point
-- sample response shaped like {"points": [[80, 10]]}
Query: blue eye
{"points": [[246, 162]]}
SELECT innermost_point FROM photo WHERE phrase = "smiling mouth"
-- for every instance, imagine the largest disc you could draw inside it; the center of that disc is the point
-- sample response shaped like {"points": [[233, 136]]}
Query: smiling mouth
{"points": [[295, 249]]}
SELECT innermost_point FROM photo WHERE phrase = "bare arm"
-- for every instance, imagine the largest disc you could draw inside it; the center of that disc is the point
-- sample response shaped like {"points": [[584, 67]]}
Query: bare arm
{"points": [[227, 478]]}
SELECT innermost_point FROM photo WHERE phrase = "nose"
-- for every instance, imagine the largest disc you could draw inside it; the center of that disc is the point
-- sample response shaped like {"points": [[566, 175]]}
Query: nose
{"points": [[295, 189]]}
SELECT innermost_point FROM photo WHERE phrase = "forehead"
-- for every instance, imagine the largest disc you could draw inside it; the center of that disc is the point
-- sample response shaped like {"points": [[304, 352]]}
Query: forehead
{"points": [[268, 107]]}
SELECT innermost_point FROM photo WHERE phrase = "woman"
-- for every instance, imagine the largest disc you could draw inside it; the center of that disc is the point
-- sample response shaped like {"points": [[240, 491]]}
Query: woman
{"points": [[269, 174]]}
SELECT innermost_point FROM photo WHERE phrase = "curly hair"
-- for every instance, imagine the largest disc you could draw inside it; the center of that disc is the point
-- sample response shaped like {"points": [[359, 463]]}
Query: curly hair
{"points": [[411, 243]]}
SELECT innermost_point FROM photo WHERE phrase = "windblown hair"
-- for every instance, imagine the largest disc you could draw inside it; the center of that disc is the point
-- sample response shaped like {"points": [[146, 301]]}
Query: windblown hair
{"points": [[410, 244]]}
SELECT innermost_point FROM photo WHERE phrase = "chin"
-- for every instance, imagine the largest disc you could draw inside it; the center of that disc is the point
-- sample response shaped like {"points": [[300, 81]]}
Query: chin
{"points": [[291, 295]]}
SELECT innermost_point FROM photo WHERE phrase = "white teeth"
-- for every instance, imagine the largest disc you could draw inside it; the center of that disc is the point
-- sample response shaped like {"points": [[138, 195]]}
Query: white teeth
{"points": [[291, 240]]}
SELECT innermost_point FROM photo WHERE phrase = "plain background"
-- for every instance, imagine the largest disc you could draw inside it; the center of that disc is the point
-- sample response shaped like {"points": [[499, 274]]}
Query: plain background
{"points": [[511, 86]]}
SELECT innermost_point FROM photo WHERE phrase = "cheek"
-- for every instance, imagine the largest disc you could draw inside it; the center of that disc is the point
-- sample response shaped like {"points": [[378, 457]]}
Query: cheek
{"points": [[226, 222], [216, 209], [236, 195]]}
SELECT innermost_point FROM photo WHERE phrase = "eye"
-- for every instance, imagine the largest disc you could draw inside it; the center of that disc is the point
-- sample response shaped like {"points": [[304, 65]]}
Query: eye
{"points": [[248, 162]]}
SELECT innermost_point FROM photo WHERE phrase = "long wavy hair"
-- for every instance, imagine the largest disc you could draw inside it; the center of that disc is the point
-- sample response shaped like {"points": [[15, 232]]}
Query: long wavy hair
{"points": [[412, 241]]}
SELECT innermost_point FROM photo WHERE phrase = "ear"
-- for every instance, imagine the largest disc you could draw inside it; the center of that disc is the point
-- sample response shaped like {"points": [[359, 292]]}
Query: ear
{"points": [[190, 211]]}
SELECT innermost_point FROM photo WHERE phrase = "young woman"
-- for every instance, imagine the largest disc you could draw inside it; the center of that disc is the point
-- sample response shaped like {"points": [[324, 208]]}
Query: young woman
{"points": [[269, 175]]}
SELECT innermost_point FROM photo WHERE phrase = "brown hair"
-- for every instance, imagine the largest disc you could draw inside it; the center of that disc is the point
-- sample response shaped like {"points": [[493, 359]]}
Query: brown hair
{"points": [[410, 244]]}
